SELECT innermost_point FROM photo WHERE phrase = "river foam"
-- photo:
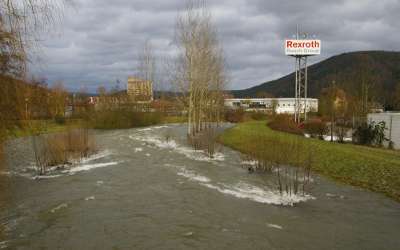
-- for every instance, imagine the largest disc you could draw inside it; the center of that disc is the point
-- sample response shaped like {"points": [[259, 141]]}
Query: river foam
{"points": [[85, 164], [99, 155], [257, 194], [4, 244], [244, 190], [87, 167], [152, 128], [197, 155], [274, 226], [138, 150], [191, 175], [61, 206], [250, 163]]}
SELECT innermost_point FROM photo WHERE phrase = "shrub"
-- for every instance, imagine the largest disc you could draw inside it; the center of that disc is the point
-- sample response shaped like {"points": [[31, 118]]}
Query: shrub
{"points": [[122, 119], [285, 123], [61, 149], [342, 127], [370, 134], [206, 141], [258, 116], [109, 120], [316, 128], [278, 156], [141, 119], [234, 115], [59, 119]]}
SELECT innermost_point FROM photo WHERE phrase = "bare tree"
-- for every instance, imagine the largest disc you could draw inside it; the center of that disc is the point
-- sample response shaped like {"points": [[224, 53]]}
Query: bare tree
{"points": [[147, 63], [23, 21], [146, 71], [274, 106], [12, 58], [200, 66], [58, 100]]}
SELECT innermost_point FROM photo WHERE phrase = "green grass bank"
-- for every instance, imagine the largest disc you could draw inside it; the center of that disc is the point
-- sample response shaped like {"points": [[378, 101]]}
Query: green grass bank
{"points": [[41, 126], [31, 127], [375, 169]]}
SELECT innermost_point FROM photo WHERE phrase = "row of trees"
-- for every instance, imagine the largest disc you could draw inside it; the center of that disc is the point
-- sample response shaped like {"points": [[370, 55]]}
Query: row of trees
{"points": [[337, 104], [25, 100], [346, 111]]}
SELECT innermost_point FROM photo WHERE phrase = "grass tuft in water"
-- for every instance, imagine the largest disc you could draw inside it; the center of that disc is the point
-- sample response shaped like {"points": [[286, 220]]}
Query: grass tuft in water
{"points": [[61, 149], [278, 157], [205, 140]]}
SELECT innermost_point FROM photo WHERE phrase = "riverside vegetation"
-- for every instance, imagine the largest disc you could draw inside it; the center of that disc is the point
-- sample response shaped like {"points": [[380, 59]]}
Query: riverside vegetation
{"points": [[63, 145], [373, 168], [272, 155], [62, 149]]}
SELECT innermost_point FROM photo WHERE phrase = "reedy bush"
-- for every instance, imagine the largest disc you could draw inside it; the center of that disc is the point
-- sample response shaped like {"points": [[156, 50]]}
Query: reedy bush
{"points": [[275, 156], [316, 128], [123, 119], [285, 123], [61, 149], [234, 115]]}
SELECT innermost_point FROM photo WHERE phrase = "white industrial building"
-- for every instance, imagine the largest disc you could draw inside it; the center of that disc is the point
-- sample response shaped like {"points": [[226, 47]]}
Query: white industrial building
{"points": [[392, 122], [282, 105]]}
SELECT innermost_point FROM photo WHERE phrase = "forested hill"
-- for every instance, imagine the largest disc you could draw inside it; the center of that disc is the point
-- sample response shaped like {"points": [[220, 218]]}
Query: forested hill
{"points": [[380, 70]]}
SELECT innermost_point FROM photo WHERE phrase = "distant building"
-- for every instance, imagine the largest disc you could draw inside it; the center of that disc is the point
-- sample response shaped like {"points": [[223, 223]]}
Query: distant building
{"points": [[103, 102], [140, 90], [281, 105], [392, 122]]}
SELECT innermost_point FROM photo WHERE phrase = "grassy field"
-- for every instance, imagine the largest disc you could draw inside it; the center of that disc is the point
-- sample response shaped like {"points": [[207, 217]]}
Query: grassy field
{"points": [[372, 168], [44, 126], [175, 119], [50, 126]]}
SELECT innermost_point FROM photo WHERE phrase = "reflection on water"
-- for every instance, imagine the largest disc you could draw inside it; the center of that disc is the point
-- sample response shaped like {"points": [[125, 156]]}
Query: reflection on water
{"points": [[143, 191]]}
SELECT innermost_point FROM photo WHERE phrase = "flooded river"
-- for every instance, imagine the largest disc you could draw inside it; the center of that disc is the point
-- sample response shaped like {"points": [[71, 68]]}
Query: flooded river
{"points": [[146, 189]]}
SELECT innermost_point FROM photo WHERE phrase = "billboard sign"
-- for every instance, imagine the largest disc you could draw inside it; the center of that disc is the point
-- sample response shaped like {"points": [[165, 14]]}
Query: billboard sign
{"points": [[295, 47]]}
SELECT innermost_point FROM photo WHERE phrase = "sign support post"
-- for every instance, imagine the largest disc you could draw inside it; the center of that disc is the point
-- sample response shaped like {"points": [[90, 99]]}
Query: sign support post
{"points": [[301, 49]]}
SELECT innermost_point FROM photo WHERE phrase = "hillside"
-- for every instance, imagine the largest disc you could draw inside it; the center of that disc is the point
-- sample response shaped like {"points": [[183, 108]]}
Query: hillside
{"points": [[379, 69]]}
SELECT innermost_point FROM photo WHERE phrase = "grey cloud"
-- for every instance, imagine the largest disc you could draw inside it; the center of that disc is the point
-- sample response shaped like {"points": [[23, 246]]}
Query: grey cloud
{"points": [[99, 40]]}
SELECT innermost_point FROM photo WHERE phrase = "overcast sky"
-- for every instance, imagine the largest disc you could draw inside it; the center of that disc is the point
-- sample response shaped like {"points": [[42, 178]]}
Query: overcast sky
{"points": [[98, 40]]}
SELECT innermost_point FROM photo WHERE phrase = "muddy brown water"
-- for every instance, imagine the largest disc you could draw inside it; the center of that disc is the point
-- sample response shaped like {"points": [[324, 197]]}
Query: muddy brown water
{"points": [[144, 192]]}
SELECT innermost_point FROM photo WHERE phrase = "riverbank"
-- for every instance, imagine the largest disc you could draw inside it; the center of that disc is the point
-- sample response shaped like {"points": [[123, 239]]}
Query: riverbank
{"points": [[50, 126], [371, 168]]}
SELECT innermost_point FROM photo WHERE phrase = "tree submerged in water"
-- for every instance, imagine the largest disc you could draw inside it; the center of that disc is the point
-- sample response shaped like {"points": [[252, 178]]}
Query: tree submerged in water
{"points": [[200, 74], [206, 141]]}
